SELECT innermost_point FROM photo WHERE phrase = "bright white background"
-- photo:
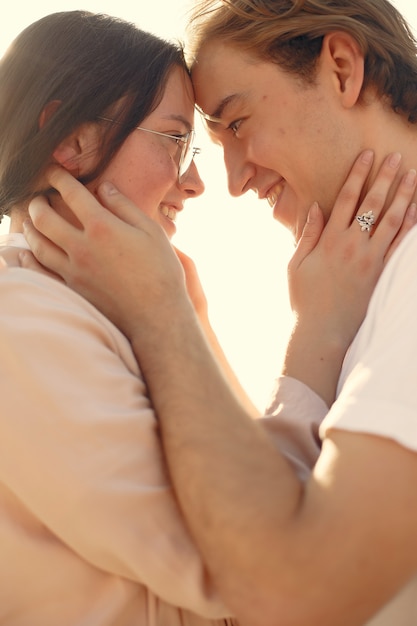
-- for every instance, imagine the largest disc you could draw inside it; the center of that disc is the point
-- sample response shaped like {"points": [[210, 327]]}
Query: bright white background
{"points": [[241, 253]]}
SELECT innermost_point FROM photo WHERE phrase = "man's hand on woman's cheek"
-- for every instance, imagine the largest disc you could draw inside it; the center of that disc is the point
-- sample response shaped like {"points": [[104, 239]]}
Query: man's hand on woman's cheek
{"points": [[117, 258]]}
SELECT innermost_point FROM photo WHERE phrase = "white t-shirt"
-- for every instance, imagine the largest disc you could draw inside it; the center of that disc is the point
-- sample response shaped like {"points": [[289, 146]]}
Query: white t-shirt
{"points": [[377, 391]]}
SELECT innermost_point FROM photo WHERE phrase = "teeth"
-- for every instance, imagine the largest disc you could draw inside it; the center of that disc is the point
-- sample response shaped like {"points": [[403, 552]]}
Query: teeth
{"points": [[169, 213], [272, 197]]}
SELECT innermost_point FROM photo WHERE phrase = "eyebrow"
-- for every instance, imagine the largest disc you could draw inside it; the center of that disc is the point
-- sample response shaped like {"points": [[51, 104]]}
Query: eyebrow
{"points": [[216, 116], [179, 118]]}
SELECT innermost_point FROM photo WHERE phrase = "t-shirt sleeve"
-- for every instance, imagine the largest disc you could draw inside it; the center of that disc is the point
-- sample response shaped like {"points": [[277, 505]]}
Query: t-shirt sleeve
{"points": [[292, 421], [80, 442]]}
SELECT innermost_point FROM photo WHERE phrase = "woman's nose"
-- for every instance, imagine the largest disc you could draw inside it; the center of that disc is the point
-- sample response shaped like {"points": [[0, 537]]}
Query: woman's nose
{"points": [[192, 182]]}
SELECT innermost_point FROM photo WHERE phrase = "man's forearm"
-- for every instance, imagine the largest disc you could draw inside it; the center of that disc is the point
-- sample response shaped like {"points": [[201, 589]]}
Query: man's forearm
{"points": [[223, 465]]}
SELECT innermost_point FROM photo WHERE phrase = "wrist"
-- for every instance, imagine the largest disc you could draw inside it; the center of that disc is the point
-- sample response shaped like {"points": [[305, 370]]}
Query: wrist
{"points": [[163, 324], [314, 356]]}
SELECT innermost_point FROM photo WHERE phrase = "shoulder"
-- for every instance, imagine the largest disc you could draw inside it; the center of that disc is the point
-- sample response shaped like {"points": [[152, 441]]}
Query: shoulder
{"points": [[36, 308], [26, 293], [400, 273]]}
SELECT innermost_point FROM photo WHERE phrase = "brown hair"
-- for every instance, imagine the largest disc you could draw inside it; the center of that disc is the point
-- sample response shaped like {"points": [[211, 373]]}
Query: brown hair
{"points": [[290, 33], [87, 62]]}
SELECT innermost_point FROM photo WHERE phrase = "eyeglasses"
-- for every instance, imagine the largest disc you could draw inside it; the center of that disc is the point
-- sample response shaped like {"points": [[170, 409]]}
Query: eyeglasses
{"points": [[185, 141]]}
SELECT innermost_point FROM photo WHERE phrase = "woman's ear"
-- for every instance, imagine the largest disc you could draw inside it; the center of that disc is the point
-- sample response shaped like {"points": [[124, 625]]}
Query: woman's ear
{"points": [[67, 154], [48, 112], [77, 153], [342, 55]]}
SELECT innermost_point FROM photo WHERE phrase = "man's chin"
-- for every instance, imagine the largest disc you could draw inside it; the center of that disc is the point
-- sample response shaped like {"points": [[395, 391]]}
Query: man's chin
{"points": [[294, 229]]}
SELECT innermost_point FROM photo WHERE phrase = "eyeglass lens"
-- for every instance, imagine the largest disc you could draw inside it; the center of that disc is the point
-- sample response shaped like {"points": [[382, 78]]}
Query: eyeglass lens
{"points": [[187, 154]]}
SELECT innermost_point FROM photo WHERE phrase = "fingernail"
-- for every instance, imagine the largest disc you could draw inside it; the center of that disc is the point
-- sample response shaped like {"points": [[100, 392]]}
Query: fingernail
{"points": [[395, 159], [312, 214], [410, 178], [412, 211], [367, 156], [108, 188]]}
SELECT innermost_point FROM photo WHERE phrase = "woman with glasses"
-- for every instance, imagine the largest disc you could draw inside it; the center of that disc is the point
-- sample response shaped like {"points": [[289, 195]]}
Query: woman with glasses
{"points": [[90, 530]]}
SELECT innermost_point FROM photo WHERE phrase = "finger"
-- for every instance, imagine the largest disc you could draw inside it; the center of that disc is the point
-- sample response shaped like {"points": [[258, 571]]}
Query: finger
{"points": [[310, 236], [44, 250], [122, 207], [82, 203], [392, 220], [89, 210], [376, 197], [409, 222], [185, 260], [349, 195], [47, 222], [28, 261]]}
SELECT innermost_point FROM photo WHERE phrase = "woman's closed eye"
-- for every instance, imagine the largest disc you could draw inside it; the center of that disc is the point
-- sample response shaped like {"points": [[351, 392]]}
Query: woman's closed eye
{"points": [[180, 138]]}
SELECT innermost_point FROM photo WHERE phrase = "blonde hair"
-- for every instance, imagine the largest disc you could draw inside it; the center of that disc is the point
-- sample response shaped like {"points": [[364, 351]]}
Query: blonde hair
{"points": [[290, 33]]}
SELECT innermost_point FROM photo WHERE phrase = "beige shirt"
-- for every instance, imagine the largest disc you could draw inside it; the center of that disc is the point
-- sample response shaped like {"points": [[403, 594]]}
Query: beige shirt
{"points": [[90, 531]]}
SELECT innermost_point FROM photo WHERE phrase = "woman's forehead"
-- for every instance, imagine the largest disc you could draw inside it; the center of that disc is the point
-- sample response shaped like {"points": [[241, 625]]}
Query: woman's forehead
{"points": [[177, 102]]}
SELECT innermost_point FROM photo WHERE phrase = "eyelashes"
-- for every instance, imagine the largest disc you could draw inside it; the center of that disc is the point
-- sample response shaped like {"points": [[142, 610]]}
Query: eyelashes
{"points": [[234, 126]]}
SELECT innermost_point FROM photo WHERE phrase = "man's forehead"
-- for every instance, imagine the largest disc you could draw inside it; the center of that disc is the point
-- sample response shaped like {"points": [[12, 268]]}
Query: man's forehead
{"points": [[216, 65], [222, 78]]}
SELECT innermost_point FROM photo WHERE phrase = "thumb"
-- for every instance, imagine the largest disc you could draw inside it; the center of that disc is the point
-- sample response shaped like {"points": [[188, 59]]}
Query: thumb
{"points": [[310, 236], [185, 260], [87, 206], [120, 206]]}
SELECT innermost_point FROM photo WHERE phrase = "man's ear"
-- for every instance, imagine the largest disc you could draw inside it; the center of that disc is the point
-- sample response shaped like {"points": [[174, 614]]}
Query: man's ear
{"points": [[342, 55]]}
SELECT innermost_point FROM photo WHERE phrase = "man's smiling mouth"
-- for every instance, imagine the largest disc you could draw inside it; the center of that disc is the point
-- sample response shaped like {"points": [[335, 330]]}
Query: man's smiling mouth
{"points": [[274, 193]]}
